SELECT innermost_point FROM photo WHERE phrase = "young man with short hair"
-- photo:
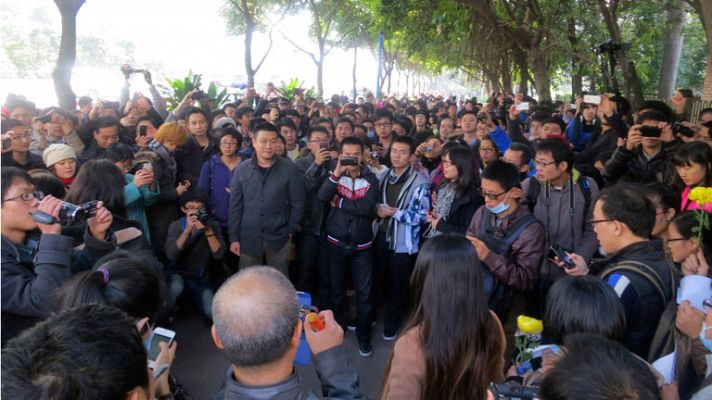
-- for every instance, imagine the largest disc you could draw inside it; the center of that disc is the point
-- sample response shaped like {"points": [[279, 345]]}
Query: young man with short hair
{"points": [[33, 270], [106, 133], [18, 154], [288, 130], [191, 243], [352, 192], [403, 207], [267, 198], [199, 148], [636, 267], [509, 241], [520, 155]]}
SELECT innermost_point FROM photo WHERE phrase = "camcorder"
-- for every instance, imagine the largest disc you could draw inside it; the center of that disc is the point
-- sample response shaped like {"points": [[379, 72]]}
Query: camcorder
{"points": [[69, 214]]}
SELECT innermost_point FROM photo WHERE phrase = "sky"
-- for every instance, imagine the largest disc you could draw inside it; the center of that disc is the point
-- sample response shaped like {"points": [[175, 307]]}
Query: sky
{"points": [[183, 35]]}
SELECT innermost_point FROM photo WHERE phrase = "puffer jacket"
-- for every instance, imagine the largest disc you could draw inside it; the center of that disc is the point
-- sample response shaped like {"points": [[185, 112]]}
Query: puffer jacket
{"points": [[349, 221]]}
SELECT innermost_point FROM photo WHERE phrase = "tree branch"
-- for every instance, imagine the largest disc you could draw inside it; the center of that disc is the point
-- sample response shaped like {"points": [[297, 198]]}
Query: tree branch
{"points": [[309, 53]]}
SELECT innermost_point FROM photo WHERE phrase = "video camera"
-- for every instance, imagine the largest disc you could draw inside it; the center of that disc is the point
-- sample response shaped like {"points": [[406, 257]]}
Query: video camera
{"points": [[69, 214]]}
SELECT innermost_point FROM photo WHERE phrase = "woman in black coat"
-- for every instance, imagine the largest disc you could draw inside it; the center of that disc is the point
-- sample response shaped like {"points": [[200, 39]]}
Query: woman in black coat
{"points": [[456, 201]]}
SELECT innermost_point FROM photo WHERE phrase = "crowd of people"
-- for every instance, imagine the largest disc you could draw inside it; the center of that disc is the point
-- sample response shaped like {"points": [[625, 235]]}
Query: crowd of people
{"points": [[444, 218]]}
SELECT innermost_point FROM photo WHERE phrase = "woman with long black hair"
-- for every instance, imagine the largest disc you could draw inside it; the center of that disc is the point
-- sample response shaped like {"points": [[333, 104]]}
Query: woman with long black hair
{"points": [[452, 346]]}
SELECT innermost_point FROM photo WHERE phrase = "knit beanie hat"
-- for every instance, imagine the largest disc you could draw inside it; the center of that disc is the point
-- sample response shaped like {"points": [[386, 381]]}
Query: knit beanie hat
{"points": [[56, 153]]}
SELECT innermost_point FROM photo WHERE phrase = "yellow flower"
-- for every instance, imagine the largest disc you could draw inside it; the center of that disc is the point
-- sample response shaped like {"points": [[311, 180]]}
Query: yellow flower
{"points": [[701, 195], [529, 325]]}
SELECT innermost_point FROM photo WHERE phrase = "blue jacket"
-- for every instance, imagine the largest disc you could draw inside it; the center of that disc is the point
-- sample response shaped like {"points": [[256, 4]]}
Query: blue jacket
{"points": [[137, 199], [214, 182], [577, 136]]}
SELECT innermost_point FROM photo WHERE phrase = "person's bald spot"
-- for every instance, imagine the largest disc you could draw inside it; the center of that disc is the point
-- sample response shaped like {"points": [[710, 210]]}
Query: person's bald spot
{"points": [[252, 302]]}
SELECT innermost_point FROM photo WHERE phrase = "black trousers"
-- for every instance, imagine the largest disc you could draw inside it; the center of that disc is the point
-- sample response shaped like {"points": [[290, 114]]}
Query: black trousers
{"points": [[392, 277]]}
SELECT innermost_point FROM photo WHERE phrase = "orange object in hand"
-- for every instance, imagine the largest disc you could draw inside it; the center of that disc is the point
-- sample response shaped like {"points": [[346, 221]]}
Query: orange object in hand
{"points": [[314, 321]]}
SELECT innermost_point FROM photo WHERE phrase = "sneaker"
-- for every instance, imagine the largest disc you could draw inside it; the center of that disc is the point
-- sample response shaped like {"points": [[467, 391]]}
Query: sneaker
{"points": [[389, 335], [351, 325], [365, 349]]}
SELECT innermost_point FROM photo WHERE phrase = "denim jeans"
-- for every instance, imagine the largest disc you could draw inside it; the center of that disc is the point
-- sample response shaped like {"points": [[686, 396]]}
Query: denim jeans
{"points": [[361, 265], [199, 288]]}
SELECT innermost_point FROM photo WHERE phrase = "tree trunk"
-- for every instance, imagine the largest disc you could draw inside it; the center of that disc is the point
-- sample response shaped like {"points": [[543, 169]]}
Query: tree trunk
{"points": [[576, 64], [353, 73], [672, 48], [407, 83], [704, 12], [62, 74], [523, 64], [542, 74], [320, 70], [249, 30]]}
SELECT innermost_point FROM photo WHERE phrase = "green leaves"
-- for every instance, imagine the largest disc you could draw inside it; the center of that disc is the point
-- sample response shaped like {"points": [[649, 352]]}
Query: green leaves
{"points": [[176, 90]]}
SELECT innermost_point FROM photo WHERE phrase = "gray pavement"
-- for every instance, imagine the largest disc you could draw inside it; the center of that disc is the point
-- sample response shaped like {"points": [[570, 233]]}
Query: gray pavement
{"points": [[201, 367]]}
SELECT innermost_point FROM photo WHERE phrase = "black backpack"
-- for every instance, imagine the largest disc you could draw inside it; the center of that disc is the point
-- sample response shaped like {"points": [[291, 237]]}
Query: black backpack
{"points": [[664, 339]]}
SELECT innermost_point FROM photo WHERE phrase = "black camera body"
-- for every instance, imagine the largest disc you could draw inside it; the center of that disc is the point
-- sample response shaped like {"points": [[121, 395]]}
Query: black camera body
{"points": [[650, 131], [203, 216], [680, 129], [349, 161], [71, 214], [199, 95]]}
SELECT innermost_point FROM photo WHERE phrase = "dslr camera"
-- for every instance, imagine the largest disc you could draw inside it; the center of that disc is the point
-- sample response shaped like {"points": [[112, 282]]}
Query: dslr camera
{"points": [[203, 216]]}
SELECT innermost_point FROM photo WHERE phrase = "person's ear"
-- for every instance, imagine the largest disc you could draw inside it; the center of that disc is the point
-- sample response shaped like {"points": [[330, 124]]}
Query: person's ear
{"points": [[216, 339], [297, 334], [669, 214]]}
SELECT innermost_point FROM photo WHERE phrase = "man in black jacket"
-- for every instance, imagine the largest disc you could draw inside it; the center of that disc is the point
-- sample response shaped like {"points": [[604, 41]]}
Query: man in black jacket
{"points": [[32, 271], [106, 133], [309, 243], [637, 268], [645, 156], [267, 199], [352, 191], [257, 325]]}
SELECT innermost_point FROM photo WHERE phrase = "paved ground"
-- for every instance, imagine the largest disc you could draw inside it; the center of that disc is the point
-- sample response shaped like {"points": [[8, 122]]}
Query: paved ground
{"points": [[201, 367]]}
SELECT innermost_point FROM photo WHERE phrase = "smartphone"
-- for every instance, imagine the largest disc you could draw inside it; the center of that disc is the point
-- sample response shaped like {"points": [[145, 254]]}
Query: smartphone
{"points": [[523, 106], [349, 161], [7, 143], [111, 104], [142, 130], [159, 335], [199, 95], [557, 251], [147, 166], [650, 131], [45, 118], [592, 99]]}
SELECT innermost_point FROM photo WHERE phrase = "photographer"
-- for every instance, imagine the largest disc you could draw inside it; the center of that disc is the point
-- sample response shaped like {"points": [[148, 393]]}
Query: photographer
{"points": [[17, 154], [155, 110], [191, 242], [645, 155], [352, 192], [32, 271]]}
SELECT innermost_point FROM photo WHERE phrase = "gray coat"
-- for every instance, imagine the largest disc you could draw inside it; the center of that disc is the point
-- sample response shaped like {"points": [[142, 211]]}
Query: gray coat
{"points": [[265, 209], [338, 377]]}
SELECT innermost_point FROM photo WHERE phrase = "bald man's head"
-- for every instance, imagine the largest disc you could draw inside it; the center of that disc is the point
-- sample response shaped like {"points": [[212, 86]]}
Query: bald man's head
{"points": [[255, 313]]}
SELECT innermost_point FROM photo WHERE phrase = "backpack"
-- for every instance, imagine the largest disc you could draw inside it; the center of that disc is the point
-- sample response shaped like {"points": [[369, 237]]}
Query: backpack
{"points": [[664, 339], [535, 187]]}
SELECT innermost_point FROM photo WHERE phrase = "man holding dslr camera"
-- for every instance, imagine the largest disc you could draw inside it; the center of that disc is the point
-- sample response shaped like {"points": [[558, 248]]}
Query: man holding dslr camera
{"points": [[190, 244], [32, 270]]}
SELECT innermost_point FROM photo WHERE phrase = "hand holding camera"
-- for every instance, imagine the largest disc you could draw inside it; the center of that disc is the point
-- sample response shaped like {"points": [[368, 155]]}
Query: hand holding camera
{"points": [[50, 206], [143, 177]]}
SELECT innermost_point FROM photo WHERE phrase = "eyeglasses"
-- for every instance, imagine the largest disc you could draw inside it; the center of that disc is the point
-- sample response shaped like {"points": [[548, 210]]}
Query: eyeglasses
{"points": [[27, 196], [491, 196], [598, 221], [676, 239], [543, 163]]}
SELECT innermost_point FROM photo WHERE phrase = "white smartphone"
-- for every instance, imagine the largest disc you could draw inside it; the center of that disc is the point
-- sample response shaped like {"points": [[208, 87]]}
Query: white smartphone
{"points": [[592, 99], [159, 335], [523, 106]]}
